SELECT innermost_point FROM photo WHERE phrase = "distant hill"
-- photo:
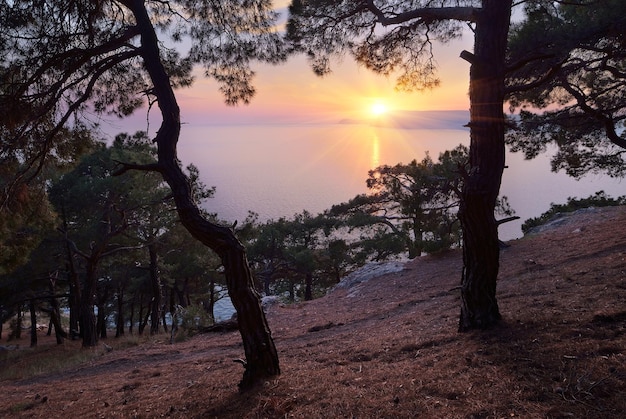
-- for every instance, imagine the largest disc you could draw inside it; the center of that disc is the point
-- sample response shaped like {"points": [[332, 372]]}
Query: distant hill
{"points": [[417, 120]]}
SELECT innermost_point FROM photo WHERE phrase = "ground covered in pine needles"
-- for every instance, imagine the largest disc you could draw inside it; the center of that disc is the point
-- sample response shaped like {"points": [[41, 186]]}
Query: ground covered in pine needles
{"points": [[386, 347]]}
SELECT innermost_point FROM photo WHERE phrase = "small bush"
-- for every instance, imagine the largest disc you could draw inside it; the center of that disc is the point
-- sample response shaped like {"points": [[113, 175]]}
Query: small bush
{"points": [[127, 341], [599, 199], [189, 320]]}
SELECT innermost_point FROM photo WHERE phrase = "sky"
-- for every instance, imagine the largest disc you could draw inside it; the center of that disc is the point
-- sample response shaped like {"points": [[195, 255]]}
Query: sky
{"points": [[291, 93]]}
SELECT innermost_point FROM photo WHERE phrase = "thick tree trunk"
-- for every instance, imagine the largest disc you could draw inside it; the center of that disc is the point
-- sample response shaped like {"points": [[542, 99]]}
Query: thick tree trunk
{"points": [[479, 308], [260, 352], [88, 324]]}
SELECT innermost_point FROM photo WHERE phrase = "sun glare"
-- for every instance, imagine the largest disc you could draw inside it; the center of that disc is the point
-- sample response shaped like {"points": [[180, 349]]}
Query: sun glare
{"points": [[378, 109]]}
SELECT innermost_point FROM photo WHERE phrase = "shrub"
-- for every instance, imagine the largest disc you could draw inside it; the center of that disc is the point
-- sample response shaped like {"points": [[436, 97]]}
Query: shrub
{"points": [[599, 199], [188, 321]]}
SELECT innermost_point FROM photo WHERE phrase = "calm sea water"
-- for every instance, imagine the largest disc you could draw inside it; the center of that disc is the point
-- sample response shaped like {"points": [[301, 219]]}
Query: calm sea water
{"points": [[279, 170]]}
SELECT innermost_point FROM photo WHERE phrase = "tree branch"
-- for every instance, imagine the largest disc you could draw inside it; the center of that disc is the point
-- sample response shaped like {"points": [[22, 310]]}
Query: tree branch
{"points": [[72, 245], [609, 123], [469, 57], [39, 158], [552, 73], [523, 62], [119, 249], [84, 54], [466, 14], [506, 220], [154, 167]]}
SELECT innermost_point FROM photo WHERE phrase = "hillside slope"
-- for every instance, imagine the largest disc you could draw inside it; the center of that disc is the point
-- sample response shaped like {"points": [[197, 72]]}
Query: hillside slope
{"points": [[388, 347]]}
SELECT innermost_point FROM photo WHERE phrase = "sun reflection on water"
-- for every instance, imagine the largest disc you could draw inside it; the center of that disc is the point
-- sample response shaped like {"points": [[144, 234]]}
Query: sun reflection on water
{"points": [[375, 160]]}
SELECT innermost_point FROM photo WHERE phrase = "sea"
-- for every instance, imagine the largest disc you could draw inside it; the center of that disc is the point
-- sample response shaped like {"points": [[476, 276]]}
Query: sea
{"points": [[280, 170]]}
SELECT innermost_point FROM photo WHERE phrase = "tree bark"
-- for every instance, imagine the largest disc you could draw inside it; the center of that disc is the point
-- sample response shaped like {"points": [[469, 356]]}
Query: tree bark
{"points": [[75, 296], [101, 324], [155, 282], [131, 314], [164, 321], [479, 308], [55, 321], [180, 294], [33, 323], [55, 314], [119, 321], [308, 288], [101, 328], [74, 282], [210, 308], [88, 328], [88, 324], [16, 325], [260, 352], [143, 320], [74, 306], [59, 333]]}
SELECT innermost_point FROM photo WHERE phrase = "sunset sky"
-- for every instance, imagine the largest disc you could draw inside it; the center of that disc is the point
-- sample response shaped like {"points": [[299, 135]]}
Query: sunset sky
{"points": [[291, 92]]}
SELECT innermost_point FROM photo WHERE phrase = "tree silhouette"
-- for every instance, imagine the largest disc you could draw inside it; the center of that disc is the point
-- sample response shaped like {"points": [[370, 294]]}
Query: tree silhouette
{"points": [[569, 85], [61, 61], [416, 201]]}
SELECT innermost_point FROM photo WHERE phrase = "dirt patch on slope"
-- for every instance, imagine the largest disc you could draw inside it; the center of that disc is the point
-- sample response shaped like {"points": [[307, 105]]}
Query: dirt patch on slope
{"points": [[389, 347]]}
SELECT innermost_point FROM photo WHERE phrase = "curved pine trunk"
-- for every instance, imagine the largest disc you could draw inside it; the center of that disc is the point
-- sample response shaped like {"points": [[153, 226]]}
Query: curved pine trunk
{"points": [[479, 308], [260, 351]]}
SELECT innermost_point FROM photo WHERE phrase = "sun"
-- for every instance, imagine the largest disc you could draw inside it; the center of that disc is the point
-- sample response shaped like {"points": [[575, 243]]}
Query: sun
{"points": [[379, 108]]}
